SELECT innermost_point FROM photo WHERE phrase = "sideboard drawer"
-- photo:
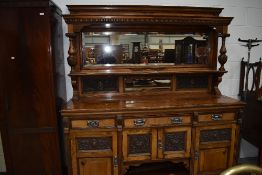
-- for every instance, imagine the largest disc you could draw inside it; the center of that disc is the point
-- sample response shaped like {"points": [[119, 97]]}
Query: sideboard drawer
{"points": [[158, 121], [93, 123], [216, 117]]}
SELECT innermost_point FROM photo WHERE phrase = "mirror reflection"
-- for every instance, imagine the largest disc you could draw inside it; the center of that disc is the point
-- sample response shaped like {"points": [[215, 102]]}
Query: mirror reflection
{"points": [[144, 48]]}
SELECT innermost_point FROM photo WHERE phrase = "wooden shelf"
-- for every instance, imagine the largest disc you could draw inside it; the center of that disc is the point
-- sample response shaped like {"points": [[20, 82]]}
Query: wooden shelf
{"points": [[143, 71]]}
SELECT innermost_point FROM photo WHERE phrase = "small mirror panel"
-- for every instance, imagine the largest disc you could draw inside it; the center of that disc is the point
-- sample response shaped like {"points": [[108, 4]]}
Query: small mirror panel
{"points": [[147, 83]]}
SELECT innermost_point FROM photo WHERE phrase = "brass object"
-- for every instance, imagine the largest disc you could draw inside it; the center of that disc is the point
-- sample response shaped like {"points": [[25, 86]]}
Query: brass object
{"points": [[139, 122], [93, 123], [216, 117], [244, 168], [176, 120]]}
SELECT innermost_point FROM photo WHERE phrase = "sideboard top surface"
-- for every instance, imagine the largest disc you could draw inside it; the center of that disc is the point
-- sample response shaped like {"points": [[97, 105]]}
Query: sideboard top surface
{"points": [[169, 101]]}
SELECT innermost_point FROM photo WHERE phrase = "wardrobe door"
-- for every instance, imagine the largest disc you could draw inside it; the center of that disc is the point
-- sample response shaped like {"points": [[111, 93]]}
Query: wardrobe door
{"points": [[8, 35], [31, 112]]}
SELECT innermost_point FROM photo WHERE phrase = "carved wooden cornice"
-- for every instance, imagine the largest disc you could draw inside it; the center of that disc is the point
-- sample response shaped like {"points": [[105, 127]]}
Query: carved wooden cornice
{"points": [[142, 10], [92, 14], [165, 20]]}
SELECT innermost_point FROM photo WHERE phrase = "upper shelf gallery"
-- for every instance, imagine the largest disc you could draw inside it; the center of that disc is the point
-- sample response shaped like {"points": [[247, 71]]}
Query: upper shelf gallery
{"points": [[153, 35]]}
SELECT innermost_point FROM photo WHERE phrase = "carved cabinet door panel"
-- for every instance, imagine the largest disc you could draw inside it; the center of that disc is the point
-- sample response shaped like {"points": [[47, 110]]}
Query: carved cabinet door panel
{"points": [[214, 148], [139, 144], [174, 142], [93, 150]]}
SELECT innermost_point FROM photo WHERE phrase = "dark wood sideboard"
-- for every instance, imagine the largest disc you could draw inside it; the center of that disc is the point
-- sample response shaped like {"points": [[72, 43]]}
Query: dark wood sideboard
{"points": [[145, 90], [32, 86]]}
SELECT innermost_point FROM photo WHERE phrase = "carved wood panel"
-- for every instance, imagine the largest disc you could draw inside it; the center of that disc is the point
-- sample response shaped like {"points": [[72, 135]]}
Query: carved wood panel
{"points": [[214, 135], [139, 143], [175, 141], [94, 143]]}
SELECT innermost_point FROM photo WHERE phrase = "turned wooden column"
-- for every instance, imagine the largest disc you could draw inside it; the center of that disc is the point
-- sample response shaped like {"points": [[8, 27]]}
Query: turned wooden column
{"points": [[222, 59], [72, 61]]}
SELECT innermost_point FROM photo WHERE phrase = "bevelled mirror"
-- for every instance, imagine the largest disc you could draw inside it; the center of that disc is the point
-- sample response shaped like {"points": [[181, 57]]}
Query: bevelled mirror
{"points": [[125, 48]]}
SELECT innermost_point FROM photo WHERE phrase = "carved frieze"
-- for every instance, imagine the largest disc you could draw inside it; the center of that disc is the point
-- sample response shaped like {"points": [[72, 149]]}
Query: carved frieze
{"points": [[215, 135], [175, 141], [94, 143], [139, 143], [176, 20]]}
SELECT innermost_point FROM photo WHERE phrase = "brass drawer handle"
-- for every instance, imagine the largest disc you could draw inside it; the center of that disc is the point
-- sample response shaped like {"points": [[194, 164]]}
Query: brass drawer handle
{"points": [[216, 117], [93, 123], [139, 122], [176, 120]]}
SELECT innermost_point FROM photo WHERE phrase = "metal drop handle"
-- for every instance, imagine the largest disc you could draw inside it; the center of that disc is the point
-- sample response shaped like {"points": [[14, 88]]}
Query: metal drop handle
{"points": [[139, 122], [93, 123], [176, 120], [216, 117]]}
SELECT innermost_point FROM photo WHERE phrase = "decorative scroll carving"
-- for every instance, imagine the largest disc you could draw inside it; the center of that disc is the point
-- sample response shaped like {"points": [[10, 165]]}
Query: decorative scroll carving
{"points": [[71, 59], [139, 143], [175, 141], [215, 135], [94, 143]]}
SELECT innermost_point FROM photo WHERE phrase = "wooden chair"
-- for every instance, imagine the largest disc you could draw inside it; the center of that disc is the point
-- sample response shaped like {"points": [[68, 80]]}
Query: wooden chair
{"points": [[252, 120]]}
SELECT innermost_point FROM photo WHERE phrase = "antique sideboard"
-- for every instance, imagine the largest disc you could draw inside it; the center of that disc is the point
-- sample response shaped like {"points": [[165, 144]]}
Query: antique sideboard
{"points": [[145, 90]]}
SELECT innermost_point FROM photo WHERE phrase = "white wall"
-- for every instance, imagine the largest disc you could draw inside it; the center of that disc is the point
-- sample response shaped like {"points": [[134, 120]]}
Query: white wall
{"points": [[247, 23]]}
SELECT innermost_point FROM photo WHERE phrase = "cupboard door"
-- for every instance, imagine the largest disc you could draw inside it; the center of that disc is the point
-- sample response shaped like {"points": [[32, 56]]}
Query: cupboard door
{"points": [[214, 148], [213, 160], [95, 166], [91, 150], [29, 71], [174, 142], [139, 144]]}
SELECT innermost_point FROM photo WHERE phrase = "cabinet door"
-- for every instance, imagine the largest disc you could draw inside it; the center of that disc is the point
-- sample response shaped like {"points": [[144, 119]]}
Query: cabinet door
{"points": [[139, 144], [214, 149], [92, 151], [174, 142], [213, 159], [95, 166]]}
